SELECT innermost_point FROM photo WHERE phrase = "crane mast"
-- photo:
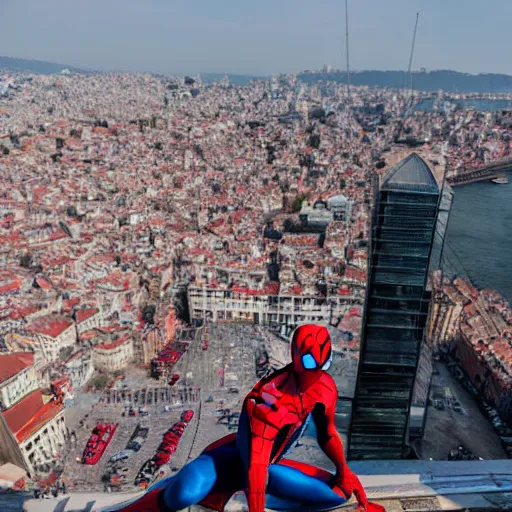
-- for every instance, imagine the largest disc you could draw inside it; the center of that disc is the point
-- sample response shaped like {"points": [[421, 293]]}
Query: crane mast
{"points": [[409, 72]]}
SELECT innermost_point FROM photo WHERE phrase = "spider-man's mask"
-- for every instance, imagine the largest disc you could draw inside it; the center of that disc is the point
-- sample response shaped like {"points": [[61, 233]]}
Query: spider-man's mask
{"points": [[311, 349]]}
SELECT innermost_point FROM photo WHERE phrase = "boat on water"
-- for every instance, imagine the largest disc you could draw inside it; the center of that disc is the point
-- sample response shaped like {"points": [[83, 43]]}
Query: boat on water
{"points": [[98, 442], [500, 180]]}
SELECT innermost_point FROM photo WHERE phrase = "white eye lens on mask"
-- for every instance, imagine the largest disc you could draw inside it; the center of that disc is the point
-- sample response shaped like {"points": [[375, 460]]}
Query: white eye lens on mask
{"points": [[327, 364]]}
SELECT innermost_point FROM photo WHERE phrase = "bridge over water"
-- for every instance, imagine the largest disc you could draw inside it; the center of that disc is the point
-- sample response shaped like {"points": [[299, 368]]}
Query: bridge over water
{"points": [[485, 173]]}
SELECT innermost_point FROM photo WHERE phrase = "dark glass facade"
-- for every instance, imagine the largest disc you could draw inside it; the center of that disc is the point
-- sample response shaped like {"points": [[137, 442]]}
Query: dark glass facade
{"points": [[404, 223]]}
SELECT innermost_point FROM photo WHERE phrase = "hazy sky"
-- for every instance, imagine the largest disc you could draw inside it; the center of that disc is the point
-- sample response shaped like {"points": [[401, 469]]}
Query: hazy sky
{"points": [[258, 36]]}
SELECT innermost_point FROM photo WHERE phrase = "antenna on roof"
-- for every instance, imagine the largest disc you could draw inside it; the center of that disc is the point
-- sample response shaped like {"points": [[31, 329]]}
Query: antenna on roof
{"points": [[346, 47], [409, 73]]}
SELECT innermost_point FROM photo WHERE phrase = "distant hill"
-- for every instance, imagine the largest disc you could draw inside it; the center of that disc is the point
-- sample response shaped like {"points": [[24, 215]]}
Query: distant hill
{"points": [[448, 81], [233, 79], [35, 66]]}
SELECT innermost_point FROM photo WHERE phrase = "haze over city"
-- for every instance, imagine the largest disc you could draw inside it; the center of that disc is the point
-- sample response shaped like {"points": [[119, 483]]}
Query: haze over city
{"points": [[257, 38]]}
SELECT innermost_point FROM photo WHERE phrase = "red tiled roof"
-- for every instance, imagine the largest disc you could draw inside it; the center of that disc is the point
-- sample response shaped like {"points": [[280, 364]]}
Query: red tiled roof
{"points": [[20, 414], [114, 344], [50, 326], [89, 335], [43, 283], [11, 364], [84, 314], [14, 284], [30, 414], [23, 311], [68, 304]]}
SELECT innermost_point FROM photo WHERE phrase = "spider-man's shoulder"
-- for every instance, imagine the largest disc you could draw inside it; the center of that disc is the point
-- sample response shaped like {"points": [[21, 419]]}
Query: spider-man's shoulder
{"points": [[325, 386]]}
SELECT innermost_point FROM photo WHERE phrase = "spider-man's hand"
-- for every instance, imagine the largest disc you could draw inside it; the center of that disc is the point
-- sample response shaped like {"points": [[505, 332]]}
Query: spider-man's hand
{"points": [[349, 484], [266, 408]]}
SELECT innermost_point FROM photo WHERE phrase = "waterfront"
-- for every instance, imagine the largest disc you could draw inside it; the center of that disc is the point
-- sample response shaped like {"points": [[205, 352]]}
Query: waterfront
{"points": [[478, 242], [481, 104]]}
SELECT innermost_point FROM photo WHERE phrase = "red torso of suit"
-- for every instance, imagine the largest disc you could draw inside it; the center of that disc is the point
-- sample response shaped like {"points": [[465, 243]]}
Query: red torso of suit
{"points": [[282, 408]]}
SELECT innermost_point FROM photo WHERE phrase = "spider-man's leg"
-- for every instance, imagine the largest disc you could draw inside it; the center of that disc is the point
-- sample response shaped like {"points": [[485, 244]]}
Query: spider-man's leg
{"points": [[218, 471], [291, 489], [215, 475]]}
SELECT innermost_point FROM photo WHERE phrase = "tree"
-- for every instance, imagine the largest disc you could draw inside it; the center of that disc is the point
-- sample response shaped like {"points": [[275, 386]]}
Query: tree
{"points": [[64, 353], [148, 313], [314, 141], [26, 260], [71, 211], [297, 203], [100, 381]]}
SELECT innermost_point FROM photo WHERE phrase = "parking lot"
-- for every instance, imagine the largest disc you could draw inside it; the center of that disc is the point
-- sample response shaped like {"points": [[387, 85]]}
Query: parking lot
{"points": [[85, 477], [454, 419]]}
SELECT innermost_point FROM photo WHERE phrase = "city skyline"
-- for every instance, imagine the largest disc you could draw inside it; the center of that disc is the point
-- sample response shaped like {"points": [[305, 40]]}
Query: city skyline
{"points": [[288, 37]]}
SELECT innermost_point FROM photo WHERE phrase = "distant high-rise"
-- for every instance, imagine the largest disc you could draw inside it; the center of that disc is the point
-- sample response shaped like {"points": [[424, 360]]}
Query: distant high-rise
{"points": [[406, 227]]}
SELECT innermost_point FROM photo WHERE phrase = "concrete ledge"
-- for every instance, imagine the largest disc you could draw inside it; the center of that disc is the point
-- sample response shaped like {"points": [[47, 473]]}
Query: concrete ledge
{"points": [[398, 485]]}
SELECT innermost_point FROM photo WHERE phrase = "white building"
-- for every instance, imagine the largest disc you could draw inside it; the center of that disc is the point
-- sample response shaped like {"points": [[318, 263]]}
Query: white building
{"points": [[80, 368], [31, 431], [115, 355], [43, 439], [87, 319], [285, 311], [51, 334], [17, 377]]}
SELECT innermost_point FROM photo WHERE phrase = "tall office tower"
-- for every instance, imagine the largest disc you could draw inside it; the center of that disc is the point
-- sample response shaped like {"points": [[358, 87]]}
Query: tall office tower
{"points": [[406, 232]]}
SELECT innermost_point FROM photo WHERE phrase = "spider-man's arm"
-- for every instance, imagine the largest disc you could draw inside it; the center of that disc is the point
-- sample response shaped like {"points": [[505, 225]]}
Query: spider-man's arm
{"points": [[330, 443], [266, 419]]}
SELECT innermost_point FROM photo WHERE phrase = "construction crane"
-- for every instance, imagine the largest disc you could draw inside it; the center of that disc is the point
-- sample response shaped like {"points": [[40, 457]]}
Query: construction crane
{"points": [[409, 73], [346, 48]]}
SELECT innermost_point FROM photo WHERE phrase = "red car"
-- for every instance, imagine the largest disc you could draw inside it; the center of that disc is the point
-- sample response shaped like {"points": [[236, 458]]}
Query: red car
{"points": [[177, 430], [161, 458], [187, 416], [170, 442], [98, 442], [175, 378], [169, 450]]}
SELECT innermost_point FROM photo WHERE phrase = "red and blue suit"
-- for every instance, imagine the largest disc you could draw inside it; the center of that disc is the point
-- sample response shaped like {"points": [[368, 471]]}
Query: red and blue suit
{"points": [[274, 415]]}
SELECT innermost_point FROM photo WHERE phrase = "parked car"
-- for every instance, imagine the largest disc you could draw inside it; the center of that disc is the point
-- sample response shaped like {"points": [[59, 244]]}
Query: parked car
{"points": [[175, 378], [101, 436], [135, 444], [187, 416], [439, 405], [120, 456]]}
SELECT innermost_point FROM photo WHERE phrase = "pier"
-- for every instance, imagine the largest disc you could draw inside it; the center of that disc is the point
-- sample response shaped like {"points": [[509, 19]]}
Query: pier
{"points": [[488, 172]]}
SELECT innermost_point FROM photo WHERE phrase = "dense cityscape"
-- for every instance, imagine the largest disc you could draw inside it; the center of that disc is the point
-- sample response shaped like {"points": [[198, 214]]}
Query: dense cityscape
{"points": [[161, 239]]}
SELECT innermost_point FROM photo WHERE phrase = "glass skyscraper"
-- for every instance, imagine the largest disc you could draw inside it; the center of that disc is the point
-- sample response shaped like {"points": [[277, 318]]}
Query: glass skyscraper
{"points": [[406, 228]]}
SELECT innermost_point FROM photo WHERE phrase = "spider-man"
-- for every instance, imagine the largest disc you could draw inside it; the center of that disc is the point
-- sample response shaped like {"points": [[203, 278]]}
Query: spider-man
{"points": [[274, 415]]}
